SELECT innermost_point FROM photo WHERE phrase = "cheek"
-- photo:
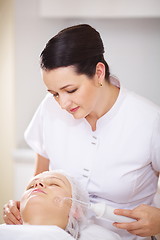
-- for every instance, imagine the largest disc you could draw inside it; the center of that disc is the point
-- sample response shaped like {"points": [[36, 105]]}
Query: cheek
{"points": [[86, 95], [58, 199], [89, 99], [60, 207]]}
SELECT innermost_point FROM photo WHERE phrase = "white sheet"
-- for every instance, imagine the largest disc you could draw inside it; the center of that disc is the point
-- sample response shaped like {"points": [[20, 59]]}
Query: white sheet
{"points": [[39, 232], [96, 232], [26, 232]]}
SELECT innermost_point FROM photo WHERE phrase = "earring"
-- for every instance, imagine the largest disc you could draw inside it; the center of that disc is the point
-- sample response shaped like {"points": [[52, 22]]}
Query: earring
{"points": [[100, 84]]}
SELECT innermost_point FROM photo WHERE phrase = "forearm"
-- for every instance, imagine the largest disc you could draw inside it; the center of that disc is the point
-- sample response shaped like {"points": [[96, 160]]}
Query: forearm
{"points": [[41, 164]]}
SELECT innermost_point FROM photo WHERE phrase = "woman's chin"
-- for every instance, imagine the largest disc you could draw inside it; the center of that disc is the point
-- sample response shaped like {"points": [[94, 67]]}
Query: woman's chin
{"points": [[79, 115]]}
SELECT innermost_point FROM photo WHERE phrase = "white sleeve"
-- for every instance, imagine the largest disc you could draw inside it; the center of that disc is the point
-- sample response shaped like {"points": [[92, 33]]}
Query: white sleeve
{"points": [[155, 145], [34, 132]]}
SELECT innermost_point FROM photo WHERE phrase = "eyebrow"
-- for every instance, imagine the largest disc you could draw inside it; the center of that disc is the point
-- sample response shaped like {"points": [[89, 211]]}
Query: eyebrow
{"points": [[68, 85], [58, 179], [47, 177]]}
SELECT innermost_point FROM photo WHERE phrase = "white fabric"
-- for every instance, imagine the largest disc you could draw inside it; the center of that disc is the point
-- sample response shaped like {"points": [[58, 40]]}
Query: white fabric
{"points": [[118, 163], [98, 233], [26, 232], [39, 232]]}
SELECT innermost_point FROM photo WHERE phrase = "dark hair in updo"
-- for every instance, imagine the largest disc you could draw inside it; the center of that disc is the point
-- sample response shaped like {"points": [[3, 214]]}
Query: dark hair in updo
{"points": [[80, 46]]}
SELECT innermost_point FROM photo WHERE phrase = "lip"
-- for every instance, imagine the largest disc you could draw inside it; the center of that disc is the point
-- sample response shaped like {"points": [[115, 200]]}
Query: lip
{"points": [[72, 110], [38, 191]]}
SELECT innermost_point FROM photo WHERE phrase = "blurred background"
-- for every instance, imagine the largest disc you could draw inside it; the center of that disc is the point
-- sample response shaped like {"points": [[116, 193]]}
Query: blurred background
{"points": [[131, 34]]}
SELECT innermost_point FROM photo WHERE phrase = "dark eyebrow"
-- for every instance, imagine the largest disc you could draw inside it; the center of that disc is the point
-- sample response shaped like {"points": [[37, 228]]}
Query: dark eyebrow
{"points": [[69, 85], [66, 86], [50, 90]]}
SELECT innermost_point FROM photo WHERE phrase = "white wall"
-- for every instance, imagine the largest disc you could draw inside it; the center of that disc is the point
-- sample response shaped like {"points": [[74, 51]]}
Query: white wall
{"points": [[31, 35]]}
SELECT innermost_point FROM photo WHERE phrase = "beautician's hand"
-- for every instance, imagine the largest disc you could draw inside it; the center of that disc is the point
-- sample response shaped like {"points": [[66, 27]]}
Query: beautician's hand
{"points": [[148, 220], [11, 213]]}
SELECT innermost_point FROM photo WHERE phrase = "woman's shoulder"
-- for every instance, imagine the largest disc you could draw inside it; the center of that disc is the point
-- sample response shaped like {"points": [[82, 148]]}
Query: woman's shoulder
{"points": [[140, 105], [49, 105]]}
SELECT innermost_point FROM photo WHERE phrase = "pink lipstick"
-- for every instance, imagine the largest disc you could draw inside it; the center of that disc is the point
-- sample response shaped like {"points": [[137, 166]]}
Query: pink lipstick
{"points": [[74, 109]]}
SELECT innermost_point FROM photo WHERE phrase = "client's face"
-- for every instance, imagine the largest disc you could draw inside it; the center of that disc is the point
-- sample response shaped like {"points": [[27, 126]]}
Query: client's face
{"points": [[42, 202]]}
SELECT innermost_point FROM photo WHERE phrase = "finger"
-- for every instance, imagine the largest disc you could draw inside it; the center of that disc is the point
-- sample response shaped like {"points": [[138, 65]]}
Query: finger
{"points": [[18, 204], [7, 221], [14, 210], [139, 232], [9, 217], [129, 226], [127, 213], [4, 208]]}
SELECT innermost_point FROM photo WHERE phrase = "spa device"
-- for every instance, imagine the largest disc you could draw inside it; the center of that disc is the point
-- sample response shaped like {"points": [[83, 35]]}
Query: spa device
{"points": [[103, 211]]}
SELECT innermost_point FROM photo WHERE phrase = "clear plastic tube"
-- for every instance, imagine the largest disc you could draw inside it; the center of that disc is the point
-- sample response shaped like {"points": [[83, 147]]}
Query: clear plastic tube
{"points": [[84, 204]]}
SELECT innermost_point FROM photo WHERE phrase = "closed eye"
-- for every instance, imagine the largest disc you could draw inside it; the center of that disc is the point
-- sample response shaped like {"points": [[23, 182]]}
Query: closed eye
{"points": [[72, 91], [54, 184]]}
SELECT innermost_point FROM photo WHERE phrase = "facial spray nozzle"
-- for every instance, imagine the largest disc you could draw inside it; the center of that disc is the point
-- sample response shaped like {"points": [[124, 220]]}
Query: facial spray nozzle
{"points": [[103, 211], [97, 208]]}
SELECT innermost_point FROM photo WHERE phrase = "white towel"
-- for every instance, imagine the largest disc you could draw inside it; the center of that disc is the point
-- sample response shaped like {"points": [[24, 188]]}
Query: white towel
{"points": [[96, 232], [36, 232]]}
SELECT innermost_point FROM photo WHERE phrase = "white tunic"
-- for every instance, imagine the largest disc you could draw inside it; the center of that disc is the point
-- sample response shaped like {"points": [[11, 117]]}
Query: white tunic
{"points": [[118, 163]]}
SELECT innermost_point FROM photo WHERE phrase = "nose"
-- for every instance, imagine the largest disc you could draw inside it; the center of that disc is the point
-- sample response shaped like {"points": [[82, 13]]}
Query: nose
{"points": [[39, 183], [64, 102]]}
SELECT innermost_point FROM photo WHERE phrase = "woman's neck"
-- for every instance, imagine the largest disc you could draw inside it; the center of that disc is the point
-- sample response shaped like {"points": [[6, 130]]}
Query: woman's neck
{"points": [[44, 220], [38, 220], [108, 96]]}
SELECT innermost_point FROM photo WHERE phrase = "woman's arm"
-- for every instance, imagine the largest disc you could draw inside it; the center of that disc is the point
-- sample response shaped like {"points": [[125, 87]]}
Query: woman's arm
{"points": [[41, 164]]}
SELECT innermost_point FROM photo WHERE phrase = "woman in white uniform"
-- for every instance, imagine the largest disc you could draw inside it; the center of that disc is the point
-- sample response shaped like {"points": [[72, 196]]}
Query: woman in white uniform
{"points": [[99, 132]]}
